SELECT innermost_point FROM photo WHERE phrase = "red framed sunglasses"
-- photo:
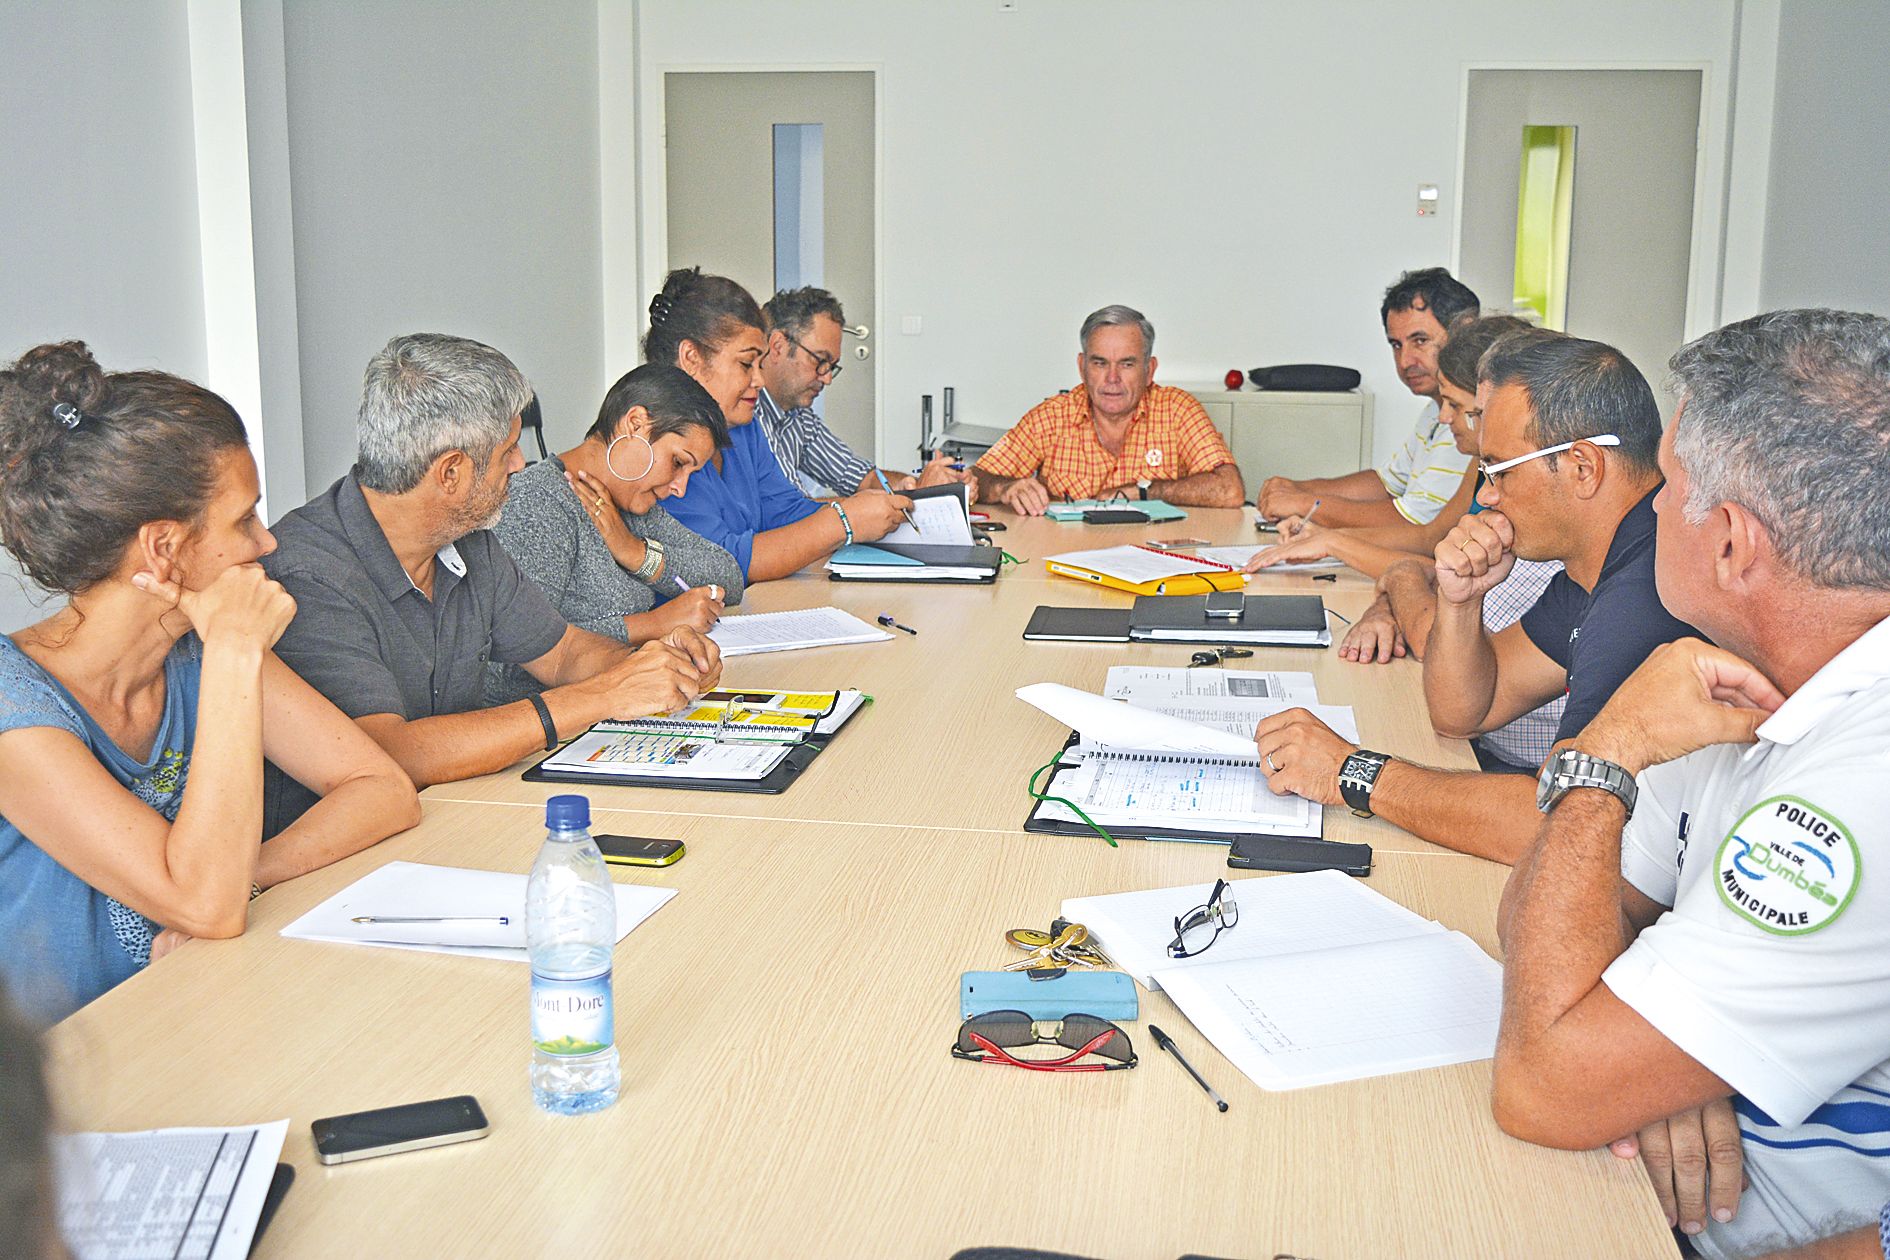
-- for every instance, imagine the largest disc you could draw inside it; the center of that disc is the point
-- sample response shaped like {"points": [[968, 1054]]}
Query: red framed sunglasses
{"points": [[989, 1038]]}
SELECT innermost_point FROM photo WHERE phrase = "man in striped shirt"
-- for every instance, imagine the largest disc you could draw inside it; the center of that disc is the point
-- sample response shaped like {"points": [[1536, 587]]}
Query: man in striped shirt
{"points": [[803, 358], [1418, 313]]}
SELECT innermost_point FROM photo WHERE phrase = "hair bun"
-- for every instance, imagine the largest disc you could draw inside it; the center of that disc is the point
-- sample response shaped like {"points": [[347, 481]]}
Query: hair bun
{"points": [[61, 372]]}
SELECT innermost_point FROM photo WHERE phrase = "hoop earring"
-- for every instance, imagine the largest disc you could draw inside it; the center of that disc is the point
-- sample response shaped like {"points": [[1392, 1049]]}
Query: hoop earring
{"points": [[625, 437]]}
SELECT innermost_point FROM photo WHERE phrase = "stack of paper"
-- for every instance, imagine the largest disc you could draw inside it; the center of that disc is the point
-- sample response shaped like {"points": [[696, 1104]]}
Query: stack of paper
{"points": [[480, 914], [184, 1194], [1133, 564], [1319, 980], [750, 633]]}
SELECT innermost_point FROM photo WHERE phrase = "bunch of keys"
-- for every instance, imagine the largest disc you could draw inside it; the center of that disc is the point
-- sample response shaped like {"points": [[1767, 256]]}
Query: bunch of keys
{"points": [[1066, 944]]}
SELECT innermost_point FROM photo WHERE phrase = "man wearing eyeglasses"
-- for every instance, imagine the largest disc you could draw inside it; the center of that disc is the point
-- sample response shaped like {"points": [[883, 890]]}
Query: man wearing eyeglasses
{"points": [[803, 358], [1570, 440]]}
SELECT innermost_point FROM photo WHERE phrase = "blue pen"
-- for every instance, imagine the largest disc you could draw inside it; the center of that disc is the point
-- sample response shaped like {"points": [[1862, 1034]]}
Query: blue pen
{"points": [[887, 487]]}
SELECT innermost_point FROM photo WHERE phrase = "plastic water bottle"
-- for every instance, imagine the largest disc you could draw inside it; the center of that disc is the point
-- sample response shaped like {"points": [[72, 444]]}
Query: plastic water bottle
{"points": [[571, 929]]}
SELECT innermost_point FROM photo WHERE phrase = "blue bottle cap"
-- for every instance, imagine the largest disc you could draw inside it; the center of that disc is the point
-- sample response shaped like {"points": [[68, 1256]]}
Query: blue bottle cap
{"points": [[568, 813]]}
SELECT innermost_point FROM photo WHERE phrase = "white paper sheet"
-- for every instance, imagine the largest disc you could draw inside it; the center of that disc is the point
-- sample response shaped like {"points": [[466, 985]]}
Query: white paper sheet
{"points": [[1132, 564], [1113, 724], [412, 889], [748, 633], [1238, 557], [1239, 717], [1140, 684], [1344, 1014], [944, 521], [165, 1194], [667, 756], [1279, 914]]}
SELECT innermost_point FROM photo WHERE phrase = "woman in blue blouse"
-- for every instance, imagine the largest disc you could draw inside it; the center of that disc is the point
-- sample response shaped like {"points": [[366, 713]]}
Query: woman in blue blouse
{"points": [[711, 328], [126, 825]]}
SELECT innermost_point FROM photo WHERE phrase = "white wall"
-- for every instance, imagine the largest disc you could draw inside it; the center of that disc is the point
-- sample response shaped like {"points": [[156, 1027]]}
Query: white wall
{"points": [[1245, 173], [1827, 237], [444, 175], [98, 209]]}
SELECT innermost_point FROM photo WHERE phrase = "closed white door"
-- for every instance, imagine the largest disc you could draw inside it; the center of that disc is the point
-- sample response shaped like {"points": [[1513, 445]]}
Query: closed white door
{"points": [[1631, 234], [770, 174]]}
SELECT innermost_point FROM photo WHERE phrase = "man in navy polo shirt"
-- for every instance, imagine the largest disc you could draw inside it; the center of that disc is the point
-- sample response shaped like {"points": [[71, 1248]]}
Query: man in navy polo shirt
{"points": [[1571, 439]]}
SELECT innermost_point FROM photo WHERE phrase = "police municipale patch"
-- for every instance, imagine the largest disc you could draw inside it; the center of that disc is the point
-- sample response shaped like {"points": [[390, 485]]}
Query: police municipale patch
{"points": [[1788, 866]]}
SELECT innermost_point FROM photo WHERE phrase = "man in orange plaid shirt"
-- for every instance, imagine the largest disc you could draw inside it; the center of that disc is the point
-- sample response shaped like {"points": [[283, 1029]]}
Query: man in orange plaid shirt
{"points": [[1118, 433]]}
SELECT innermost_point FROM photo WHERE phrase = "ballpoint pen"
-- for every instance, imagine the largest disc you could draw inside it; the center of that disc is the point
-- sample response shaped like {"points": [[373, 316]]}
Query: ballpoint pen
{"points": [[1167, 1043], [886, 619], [887, 487], [502, 920]]}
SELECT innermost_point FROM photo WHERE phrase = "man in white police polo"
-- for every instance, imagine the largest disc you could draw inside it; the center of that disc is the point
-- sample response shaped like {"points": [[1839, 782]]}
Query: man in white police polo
{"points": [[1706, 911]]}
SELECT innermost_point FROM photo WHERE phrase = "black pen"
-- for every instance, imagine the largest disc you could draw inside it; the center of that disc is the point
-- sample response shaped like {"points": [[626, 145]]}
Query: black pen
{"points": [[886, 619], [1167, 1043]]}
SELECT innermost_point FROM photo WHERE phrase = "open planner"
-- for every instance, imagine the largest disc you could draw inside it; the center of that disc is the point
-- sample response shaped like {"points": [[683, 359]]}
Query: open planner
{"points": [[1319, 980], [1146, 571], [1160, 761], [753, 740], [936, 546]]}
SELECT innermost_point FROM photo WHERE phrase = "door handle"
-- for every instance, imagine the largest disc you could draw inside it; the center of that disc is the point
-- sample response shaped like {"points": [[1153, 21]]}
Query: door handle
{"points": [[857, 330]]}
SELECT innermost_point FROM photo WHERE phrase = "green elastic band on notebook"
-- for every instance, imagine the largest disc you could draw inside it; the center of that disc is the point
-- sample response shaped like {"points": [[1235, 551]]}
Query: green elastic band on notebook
{"points": [[1051, 765]]}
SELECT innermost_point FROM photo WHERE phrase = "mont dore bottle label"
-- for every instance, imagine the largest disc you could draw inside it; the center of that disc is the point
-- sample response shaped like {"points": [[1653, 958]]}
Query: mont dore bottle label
{"points": [[572, 1016]]}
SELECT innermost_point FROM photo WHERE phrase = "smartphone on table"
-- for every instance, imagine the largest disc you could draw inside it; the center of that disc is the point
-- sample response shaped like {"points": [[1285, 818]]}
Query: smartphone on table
{"points": [[639, 850], [391, 1130]]}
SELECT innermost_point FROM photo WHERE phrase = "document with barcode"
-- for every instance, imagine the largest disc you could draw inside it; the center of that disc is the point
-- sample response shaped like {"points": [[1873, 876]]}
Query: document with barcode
{"points": [[1143, 685], [165, 1194]]}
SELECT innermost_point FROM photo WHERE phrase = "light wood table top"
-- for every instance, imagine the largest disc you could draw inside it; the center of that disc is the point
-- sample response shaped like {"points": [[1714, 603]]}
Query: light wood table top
{"points": [[784, 1024], [946, 743]]}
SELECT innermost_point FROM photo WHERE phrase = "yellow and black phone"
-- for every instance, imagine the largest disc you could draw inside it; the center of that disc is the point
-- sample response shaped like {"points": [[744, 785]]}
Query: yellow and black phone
{"points": [[639, 850]]}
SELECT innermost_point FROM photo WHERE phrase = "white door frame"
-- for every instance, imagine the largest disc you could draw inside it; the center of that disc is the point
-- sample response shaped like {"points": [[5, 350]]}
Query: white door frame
{"points": [[1709, 178], [653, 202]]}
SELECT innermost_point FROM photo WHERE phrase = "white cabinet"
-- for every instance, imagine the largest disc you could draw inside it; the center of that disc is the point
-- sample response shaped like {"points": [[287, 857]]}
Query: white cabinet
{"points": [[1277, 433]]}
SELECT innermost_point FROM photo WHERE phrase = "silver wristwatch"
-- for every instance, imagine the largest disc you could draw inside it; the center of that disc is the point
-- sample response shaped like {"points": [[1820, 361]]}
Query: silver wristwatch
{"points": [[1570, 769], [652, 561]]}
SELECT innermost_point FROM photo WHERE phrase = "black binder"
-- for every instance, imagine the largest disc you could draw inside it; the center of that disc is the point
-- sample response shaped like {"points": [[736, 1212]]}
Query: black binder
{"points": [[985, 559], [1263, 620], [775, 782], [1078, 625]]}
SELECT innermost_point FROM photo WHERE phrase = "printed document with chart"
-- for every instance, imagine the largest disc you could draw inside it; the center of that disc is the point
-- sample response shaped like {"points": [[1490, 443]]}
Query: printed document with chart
{"points": [[1164, 753], [1319, 980]]}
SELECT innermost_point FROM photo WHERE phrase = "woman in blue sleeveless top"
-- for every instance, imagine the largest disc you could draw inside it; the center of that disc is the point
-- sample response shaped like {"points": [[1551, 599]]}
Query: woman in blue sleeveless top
{"points": [[134, 721]]}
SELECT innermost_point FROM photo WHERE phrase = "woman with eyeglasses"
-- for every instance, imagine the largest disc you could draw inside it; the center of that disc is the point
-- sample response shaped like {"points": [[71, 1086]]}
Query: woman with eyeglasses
{"points": [[589, 524], [742, 500]]}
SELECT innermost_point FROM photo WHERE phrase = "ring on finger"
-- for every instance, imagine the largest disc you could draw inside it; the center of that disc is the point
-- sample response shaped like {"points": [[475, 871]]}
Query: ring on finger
{"points": [[1271, 765]]}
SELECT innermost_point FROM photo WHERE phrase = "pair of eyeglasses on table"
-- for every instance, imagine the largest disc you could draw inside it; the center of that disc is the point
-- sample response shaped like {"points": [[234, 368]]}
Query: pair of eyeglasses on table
{"points": [[989, 1039], [1198, 929]]}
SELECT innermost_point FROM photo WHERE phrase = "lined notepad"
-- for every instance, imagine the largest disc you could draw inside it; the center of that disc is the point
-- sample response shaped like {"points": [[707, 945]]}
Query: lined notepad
{"points": [[750, 633]]}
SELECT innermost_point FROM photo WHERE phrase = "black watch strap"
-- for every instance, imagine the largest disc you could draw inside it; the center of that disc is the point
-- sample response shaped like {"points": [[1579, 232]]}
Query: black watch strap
{"points": [[544, 718], [1357, 776]]}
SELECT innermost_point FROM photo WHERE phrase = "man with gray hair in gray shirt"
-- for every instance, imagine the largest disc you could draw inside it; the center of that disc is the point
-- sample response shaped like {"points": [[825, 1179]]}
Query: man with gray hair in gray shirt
{"points": [[403, 595]]}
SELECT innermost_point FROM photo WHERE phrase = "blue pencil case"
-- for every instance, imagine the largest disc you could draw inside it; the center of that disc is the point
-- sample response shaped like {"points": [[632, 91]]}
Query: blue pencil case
{"points": [[1105, 994]]}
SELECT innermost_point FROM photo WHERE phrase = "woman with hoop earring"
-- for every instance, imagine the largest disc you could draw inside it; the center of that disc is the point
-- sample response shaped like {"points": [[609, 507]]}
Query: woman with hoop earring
{"points": [[588, 524]]}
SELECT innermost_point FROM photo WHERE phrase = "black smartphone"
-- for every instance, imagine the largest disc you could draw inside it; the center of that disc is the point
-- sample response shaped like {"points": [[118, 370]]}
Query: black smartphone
{"points": [[639, 850], [1286, 853], [408, 1127]]}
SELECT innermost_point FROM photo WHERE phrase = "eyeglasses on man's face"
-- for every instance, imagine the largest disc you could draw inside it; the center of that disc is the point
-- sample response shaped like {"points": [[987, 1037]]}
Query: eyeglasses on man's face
{"points": [[1492, 471], [824, 365]]}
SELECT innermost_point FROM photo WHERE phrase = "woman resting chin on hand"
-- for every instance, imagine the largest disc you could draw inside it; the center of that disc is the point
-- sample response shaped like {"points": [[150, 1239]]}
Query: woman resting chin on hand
{"points": [[125, 826]]}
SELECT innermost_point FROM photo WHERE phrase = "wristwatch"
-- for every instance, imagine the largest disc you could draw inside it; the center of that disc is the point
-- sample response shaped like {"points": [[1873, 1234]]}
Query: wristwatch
{"points": [[652, 561], [1570, 769], [1141, 487], [1357, 777]]}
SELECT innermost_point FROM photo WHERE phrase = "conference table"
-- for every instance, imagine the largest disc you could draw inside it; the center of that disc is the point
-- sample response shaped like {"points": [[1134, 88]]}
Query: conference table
{"points": [[784, 1021]]}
